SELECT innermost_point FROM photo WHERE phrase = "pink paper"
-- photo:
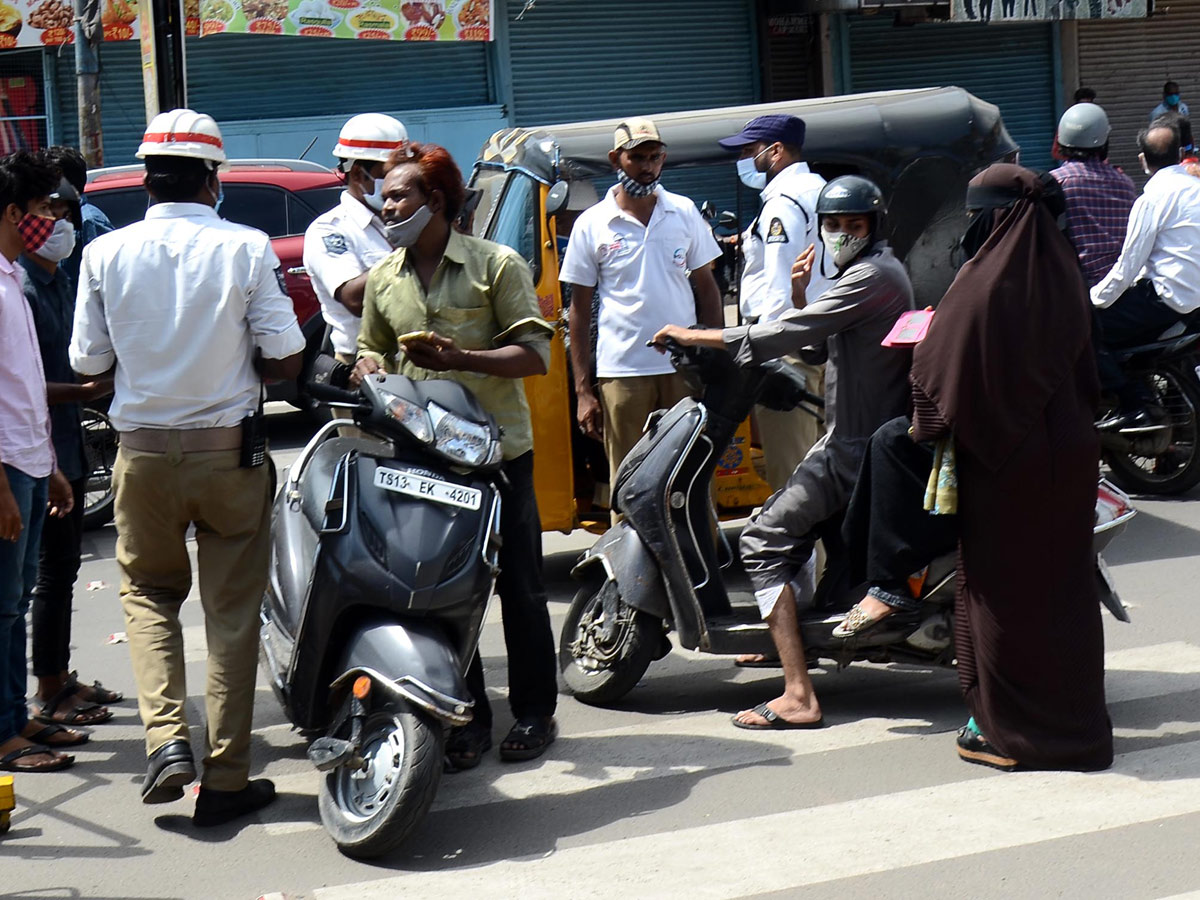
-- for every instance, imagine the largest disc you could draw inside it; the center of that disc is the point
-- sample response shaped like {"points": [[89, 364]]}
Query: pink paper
{"points": [[910, 329]]}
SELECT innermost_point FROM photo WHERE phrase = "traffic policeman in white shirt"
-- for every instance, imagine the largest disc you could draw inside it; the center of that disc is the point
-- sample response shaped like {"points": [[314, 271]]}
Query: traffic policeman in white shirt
{"points": [[770, 148], [1155, 281], [644, 254], [188, 313], [342, 245]]}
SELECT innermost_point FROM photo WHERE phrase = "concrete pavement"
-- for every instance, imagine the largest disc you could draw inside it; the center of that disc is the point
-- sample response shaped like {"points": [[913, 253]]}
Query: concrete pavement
{"points": [[663, 798]]}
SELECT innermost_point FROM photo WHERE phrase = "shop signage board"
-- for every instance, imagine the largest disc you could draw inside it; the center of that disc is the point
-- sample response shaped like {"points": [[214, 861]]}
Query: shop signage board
{"points": [[998, 12], [42, 23]]}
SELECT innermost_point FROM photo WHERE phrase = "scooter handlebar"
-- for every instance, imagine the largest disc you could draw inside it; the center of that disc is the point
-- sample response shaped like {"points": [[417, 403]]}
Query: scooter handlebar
{"points": [[324, 393]]}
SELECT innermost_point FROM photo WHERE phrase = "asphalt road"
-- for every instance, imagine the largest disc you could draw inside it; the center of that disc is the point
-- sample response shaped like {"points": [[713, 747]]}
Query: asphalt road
{"points": [[662, 797]]}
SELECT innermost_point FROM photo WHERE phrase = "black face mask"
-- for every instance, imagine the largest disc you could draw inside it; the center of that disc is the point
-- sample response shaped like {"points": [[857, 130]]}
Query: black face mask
{"points": [[975, 236]]}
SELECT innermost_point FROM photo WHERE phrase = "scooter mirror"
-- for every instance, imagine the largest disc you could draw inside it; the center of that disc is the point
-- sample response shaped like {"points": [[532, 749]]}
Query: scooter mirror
{"points": [[708, 210], [556, 198], [727, 219]]}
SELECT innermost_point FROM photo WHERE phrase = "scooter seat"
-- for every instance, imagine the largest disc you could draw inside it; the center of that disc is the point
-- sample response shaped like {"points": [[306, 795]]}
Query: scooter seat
{"points": [[317, 479], [1174, 331]]}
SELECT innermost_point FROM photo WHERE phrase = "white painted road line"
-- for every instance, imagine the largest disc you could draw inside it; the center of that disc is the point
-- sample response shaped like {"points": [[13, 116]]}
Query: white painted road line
{"points": [[921, 826]]}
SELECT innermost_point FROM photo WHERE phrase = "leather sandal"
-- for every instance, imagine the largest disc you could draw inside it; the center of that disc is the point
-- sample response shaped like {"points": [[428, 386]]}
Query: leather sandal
{"points": [[47, 711], [94, 692], [8, 762], [531, 735]]}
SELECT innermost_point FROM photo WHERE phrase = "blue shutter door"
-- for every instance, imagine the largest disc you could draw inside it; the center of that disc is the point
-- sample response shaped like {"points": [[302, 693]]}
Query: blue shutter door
{"points": [[1011, 66], [575, 60]]}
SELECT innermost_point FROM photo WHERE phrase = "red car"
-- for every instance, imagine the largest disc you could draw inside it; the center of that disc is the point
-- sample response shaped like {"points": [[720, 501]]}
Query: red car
{"points": [[278, 196]]}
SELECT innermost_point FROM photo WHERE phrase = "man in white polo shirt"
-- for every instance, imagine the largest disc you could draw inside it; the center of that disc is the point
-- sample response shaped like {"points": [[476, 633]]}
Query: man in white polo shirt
{"points": [[644, 255]]}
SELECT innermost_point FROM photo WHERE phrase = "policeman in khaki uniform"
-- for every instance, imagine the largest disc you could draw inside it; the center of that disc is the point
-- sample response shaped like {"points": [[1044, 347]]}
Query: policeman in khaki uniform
{"points": [[188, 312], [770, 148]]}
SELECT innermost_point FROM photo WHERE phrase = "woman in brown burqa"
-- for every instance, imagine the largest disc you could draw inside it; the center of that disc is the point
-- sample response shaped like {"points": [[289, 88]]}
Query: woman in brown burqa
{"points": [[1007, 370]]}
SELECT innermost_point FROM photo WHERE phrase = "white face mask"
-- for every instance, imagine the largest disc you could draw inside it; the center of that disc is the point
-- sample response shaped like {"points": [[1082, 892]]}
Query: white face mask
{"points": [[375, 198], [405, 234], [60, 244], [750, 176], [843, 247]]}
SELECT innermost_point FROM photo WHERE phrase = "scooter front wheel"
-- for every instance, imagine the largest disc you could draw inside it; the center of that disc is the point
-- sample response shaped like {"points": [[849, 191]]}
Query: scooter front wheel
{"points": [[606, 645], [369, 809]]}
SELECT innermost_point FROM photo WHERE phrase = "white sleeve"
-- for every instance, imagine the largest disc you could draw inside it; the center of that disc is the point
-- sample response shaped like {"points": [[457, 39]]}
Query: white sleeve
{"points": [[785, 234], [1139, 241], [91, 349], [329, 259], [703, 247], [580, 265], [269, 310]]}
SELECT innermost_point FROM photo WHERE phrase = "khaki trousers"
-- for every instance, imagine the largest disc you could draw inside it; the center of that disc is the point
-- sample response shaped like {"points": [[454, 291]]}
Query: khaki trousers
{"points": [[627, 403], [158, 496]]}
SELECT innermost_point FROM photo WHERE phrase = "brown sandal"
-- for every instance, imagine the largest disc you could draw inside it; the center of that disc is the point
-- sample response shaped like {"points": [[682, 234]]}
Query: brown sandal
{"points": [[8, 762], [47, 711]]}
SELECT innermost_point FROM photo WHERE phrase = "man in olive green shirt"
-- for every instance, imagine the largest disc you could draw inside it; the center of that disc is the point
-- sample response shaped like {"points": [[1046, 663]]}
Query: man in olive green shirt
{"points": [[446, 305]]}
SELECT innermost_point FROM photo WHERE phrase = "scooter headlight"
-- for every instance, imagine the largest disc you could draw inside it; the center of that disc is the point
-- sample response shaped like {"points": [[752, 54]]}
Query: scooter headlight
{"points": [[414, 418], [461, 439]]}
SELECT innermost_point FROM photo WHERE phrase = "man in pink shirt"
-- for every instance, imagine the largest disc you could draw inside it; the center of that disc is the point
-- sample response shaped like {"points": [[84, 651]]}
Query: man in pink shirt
{"points": [[27, 467]]}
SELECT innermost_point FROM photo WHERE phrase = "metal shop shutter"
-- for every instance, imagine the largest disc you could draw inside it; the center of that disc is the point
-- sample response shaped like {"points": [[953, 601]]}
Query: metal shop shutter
{"points": [[1126, 63], [267, 77], [574, 60], [1011, 66]]}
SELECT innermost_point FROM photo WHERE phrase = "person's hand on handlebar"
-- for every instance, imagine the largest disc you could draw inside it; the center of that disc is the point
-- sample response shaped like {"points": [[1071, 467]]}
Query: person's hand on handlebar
{"points": [[687, 337], [364, 367]]}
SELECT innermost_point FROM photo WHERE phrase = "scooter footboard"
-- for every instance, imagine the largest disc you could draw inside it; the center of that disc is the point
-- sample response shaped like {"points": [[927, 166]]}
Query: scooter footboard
{"points": [[626, 559], [414, 661]]}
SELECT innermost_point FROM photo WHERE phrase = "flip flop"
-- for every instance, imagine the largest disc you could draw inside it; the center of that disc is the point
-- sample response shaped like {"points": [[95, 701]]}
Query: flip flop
{"points": [[775, 722], [762, 662], [8, 762], [43, 735]]}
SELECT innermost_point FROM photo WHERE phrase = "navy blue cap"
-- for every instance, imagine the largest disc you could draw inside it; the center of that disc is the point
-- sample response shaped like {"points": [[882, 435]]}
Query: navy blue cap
{"points": [[769, 129]]}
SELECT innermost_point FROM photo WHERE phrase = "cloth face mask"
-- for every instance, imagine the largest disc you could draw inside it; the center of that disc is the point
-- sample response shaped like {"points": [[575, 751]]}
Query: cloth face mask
{"points": [[843, 247], [405, 234], [635, 188], [60, 244], [35, 231], [375, 198]]}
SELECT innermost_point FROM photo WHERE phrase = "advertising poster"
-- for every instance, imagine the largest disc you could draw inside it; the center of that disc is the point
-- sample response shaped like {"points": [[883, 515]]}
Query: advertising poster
{"points": [[1000, 11], [42, 23]]}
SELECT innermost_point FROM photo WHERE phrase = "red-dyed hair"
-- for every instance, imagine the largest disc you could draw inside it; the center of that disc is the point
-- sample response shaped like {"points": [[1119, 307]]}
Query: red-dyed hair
{"points": [[437, 172]]}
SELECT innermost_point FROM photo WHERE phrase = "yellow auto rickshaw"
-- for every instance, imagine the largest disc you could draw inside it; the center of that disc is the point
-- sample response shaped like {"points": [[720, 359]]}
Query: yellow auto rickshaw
{"points": [[920, 146]]}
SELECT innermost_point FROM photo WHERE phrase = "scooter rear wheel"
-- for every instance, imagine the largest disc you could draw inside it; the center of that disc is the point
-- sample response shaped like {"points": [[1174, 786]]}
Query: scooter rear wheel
{"points": [[370, 811], [603, 660]]}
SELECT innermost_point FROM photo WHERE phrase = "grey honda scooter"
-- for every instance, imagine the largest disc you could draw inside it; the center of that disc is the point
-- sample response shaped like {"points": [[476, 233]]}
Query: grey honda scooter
{"points": [[383, 557]]}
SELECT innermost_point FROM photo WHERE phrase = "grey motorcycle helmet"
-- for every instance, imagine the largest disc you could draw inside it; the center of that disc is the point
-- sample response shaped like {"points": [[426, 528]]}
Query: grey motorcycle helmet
{"points": [[1084, 126], [851, 195]]}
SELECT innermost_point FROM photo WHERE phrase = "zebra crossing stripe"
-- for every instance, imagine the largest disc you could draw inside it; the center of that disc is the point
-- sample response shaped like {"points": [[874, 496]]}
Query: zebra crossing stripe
{"points": [[970, 817]]}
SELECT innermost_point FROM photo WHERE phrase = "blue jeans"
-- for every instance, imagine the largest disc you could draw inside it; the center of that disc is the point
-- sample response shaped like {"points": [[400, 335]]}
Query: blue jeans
{"points": [[18, 574]]}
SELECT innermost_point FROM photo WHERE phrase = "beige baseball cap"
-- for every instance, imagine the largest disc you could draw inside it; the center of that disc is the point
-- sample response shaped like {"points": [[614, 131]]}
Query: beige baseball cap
{"points": [[633, 132]]}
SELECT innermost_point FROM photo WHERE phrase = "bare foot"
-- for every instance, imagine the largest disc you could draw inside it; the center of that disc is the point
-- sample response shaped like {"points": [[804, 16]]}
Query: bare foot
{"points": [[40, 761], [58, 735], [787, 708], [874, 607]]}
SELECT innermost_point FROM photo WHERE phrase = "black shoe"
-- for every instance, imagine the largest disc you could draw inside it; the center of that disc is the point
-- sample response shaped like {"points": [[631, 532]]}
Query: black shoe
{"points": [[1138, 421], [975, 748], [168, 769], [218, 807]]}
